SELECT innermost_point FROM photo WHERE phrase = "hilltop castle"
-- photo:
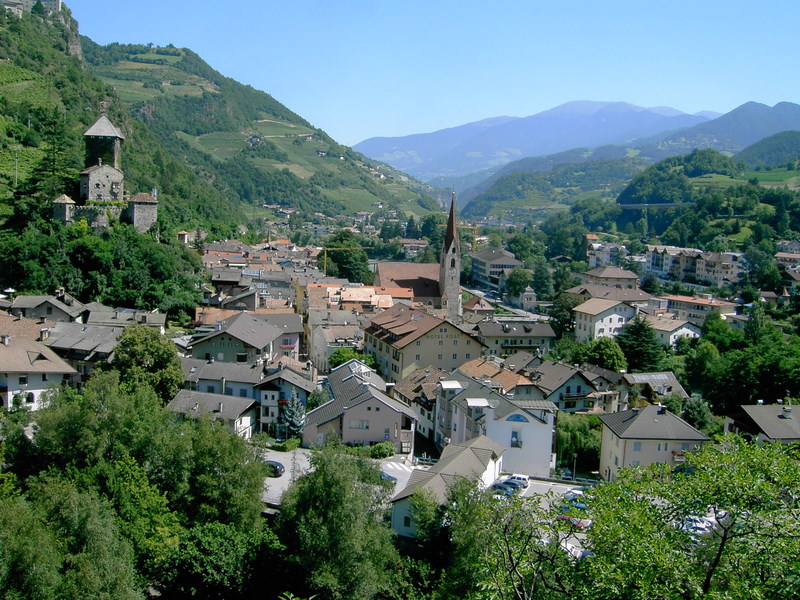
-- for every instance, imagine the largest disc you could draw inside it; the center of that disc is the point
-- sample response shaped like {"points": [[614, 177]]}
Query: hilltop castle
{"points": [[102, 193], [18, 7]]}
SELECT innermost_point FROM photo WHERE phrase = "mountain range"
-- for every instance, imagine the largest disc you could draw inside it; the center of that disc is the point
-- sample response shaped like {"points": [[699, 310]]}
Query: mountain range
{"points": [[492, 143]]}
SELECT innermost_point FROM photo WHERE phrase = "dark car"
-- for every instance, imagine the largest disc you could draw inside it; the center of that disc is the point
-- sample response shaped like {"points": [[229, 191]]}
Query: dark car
{"points": [[500, 489], [274, 468], [386, 477]]}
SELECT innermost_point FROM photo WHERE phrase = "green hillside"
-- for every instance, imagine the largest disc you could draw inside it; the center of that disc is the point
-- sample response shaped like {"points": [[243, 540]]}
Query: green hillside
{"points": [[523, 194], [216, 150], [781, 149], [252, 145]]}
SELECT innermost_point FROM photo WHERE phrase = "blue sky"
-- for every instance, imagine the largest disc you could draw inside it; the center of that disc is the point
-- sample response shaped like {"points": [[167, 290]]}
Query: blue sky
{"points": [[359, 68]]}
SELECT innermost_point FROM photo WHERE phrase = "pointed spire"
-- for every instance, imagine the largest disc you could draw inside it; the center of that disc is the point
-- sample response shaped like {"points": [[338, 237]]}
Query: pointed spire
{"points": [[451, 235]]}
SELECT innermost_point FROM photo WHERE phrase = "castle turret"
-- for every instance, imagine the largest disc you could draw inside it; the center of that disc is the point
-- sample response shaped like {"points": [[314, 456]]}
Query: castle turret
{"points": [[450, 267], [103, 143]]}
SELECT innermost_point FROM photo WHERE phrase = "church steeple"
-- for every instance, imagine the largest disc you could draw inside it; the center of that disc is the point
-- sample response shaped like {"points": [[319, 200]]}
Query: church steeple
{"points": [[450, 267]]}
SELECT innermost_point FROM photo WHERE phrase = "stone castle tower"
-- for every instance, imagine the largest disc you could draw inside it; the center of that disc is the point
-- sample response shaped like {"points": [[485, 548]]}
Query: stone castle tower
{"points": [[450, 268], [102, 195]]}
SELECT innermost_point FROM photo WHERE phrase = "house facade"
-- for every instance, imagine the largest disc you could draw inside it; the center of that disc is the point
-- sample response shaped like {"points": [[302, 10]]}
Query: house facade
{"points": [[360, 412], [238, 415], [27, 370], [242, 338], [488, 264], [404, 339], [644, 436], [598, 318]]}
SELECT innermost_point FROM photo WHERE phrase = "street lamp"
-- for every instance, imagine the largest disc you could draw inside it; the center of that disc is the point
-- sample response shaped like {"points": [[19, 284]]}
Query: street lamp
{"points": [[574, 465]]}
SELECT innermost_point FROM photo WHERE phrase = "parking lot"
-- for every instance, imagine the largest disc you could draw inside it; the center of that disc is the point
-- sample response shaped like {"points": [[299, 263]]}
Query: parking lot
{"points": [[296, 464]]}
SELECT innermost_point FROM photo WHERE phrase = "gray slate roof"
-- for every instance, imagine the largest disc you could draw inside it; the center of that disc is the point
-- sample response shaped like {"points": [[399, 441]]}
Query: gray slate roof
{"points": [[515, 329], [351, 384], [195, 369], [775, 421], [663, 383], [232, 406], [21, 355], [246, 328], [468, 460], [650, 423], [74, 309], [103, 127]]}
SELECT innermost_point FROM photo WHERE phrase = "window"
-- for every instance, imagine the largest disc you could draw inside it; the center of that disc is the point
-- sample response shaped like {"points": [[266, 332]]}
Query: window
{"points": [[441, 342], [417, 357], [406, 521], [455, 356], [359, 424], [455, 342], [439, 357], [637, 446], [467, 355], [23, 380], [516, 441], [44, 376], [518, 418]]}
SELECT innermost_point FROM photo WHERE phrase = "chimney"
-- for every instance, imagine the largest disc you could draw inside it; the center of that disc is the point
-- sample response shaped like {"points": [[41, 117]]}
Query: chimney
{"points": [[221, 406], [44, 333], [787, 411], [42, 319]]}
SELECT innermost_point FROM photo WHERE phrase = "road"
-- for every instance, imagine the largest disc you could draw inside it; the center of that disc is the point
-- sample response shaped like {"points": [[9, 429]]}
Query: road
{"points": [[296, 464]]}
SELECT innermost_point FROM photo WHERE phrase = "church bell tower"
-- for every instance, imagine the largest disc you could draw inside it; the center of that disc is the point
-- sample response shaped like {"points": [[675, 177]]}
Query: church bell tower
{"points": [[450, 268]]}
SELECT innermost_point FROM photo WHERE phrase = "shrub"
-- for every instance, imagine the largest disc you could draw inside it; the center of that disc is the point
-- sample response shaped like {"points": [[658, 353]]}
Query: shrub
{"points": [[288, 445], [381, 450]]}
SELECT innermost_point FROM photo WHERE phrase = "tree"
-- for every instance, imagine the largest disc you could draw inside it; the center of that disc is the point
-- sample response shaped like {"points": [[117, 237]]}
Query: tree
{"points": [[578, 434], [217, 561], [294, 415], [640, 345], [563, 319], [145, 357], [317, 398], [332, 524], [346, 257], [606, 353], [342, 355], [542, 279], [742, 489], [517, 281]]}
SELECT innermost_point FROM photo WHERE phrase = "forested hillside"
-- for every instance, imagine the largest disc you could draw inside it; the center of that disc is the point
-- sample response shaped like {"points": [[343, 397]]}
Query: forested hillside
{"points": [[776, 150]]}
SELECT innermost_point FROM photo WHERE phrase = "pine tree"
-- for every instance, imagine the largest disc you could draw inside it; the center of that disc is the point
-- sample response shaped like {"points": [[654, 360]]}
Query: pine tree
{"points": [[295, 416]]}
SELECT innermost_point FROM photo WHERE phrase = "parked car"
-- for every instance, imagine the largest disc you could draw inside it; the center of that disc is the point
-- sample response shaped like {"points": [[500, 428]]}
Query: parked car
{"points": [[274, 468], [386, 477], [502, 489], [517, 485], [524, 479]]}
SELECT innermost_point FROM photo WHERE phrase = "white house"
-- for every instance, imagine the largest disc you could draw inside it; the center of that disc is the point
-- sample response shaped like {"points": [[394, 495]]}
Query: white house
{"points": [[479, 460], [598, 317], [669, 329], [27, 370]]}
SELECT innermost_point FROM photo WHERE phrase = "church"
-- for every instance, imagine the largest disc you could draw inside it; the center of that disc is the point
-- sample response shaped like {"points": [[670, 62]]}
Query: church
{"points": [[435, 286]]}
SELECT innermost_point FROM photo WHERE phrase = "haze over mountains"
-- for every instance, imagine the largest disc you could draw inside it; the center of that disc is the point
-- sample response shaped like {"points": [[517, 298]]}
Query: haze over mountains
{"points": [[493, 145]]}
